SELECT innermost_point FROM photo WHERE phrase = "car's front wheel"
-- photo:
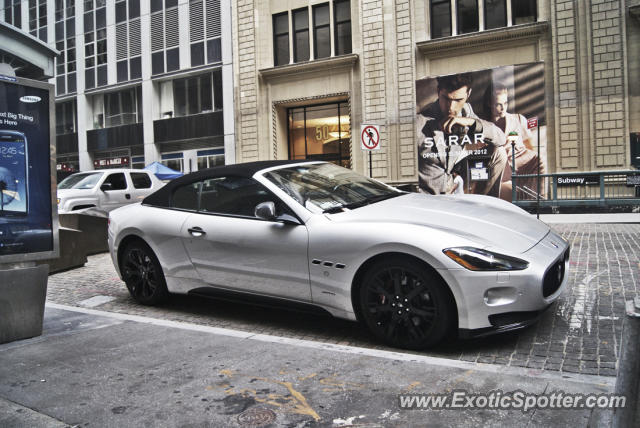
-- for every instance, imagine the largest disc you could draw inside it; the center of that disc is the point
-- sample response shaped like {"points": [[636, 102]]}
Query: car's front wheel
{"points": [[405, 304], [143, 275]]}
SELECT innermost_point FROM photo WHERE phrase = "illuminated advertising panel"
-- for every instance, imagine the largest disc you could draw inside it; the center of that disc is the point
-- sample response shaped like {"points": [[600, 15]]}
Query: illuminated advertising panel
{"points": [[27, 217]]}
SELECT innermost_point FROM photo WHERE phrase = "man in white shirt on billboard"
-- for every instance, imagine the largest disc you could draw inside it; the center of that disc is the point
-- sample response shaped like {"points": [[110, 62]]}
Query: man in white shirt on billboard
{"points": [[496, 102], [458, 183]]}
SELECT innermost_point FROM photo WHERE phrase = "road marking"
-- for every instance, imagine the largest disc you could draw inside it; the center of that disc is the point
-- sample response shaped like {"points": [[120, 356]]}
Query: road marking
{"points": [[607, 381]]}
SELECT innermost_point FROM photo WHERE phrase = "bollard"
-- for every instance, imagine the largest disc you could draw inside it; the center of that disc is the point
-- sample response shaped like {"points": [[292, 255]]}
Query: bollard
{"points": [[629, 368]]}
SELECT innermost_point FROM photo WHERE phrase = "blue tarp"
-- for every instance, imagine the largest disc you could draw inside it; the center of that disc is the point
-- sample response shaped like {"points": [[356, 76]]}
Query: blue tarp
{"points": [[163, 172]]}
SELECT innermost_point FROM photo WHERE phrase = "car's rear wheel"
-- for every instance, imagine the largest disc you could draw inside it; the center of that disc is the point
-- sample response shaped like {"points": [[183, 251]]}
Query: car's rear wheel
{"points": [[143, 275], [405, 304]]}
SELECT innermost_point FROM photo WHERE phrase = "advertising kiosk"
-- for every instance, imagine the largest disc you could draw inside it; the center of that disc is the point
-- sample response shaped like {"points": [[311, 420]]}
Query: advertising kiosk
{"points": [[28, 212]]}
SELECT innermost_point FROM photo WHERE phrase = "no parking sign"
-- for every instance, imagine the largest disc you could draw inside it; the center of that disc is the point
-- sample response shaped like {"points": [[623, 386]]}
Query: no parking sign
{"points": [[370, 137]]}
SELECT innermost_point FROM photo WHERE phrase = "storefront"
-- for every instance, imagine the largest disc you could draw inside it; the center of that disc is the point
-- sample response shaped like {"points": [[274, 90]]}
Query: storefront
{"points": [[320, 132], [112, 159]]}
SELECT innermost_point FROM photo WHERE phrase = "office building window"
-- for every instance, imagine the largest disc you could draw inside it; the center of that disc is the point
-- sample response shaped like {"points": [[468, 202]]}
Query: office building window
{"points": [[66, 117], [205, 32], [95, 43], [495, 14], [65, 38], [198, 94], [210, 158], [524, 11], [321, 31], [117, 108], [468, 17], [13, 12], [342, 28], [123, 107], [301, 35], [137, 162], [175, 161], [322, 26], [165, 38], [440, 18], [467, 14], [128, 41], [281, 38], [38, 19]]}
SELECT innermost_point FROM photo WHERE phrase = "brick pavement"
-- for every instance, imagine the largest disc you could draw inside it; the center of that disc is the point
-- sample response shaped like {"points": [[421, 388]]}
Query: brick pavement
{"points": [[580, 333]]}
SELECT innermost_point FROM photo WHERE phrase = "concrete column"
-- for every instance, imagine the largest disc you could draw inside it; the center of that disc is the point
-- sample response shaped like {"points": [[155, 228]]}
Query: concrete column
{"points": [[149, 112], [150, 98], [51, 26], [24, 16], [85, 121], [112, 77], [183, 24]]}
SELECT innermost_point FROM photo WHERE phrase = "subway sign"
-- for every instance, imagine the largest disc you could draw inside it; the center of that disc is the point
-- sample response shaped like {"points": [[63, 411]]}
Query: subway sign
{"points": [[573, 180]]}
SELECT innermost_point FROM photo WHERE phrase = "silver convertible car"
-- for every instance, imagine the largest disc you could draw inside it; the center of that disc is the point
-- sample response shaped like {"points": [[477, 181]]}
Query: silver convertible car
{"points": [[414, 268]]}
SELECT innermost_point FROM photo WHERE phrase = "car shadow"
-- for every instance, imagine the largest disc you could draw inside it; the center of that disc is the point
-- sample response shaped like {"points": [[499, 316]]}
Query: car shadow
{"points": [[299, 324]]}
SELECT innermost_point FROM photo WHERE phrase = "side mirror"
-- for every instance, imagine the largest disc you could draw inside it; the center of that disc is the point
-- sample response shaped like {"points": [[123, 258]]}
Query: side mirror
{"points": [[266, 211], [106, 186]]}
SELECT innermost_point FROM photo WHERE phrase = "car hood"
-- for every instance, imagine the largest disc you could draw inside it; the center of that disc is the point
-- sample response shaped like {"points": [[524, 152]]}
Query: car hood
{"points": [[487, 221], [76, 193]]}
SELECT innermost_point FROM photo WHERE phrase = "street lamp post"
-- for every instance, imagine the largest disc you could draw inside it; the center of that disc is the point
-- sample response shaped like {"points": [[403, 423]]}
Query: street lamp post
{"points": [[512, 138]]}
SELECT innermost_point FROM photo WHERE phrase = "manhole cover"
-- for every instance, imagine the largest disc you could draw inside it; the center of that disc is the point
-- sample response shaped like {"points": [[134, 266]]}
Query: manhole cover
{"points": [[256, 417]]}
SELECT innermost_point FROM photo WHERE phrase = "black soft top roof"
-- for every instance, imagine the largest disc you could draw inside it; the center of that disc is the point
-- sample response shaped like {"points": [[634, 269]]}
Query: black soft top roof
{"points": [[162, 197]]}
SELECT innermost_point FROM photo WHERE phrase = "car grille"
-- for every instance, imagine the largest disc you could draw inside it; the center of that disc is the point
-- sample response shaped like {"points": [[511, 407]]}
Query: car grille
{"points": [[554, 276]]}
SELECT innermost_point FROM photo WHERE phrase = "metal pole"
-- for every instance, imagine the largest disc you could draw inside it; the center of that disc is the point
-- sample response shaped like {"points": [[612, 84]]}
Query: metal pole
{"points": [[513, 172], [371, 163], [538, 192], [627, 381]]}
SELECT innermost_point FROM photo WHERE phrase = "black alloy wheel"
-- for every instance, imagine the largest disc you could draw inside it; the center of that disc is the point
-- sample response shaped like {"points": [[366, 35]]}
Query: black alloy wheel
{"points": [[405, 305], [143, 275]]}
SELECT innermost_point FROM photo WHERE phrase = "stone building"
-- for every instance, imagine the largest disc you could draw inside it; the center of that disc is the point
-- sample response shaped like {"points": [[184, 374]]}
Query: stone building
{"points": [[308, 73]]}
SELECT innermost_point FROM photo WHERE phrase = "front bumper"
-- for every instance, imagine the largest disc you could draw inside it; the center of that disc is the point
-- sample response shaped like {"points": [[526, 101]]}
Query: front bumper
{"points": [[491, 302], [504, 322]]}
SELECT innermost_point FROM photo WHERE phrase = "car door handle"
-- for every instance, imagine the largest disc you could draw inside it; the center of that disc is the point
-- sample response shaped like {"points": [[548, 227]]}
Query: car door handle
{"points": [[127, 195], [196, 231]]}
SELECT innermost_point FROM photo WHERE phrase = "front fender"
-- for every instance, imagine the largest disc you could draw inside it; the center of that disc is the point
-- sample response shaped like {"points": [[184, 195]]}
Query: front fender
{"points": [[70, 203], [353, 244]]}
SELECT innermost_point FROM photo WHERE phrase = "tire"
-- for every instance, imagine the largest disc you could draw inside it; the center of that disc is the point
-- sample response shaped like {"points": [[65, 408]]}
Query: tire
{"points": [[143, 275], [405, 305]]}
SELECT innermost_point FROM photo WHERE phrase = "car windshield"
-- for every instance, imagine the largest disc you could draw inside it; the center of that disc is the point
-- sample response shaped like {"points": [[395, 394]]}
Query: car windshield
{"points": [[329, 188], [85, 180]]}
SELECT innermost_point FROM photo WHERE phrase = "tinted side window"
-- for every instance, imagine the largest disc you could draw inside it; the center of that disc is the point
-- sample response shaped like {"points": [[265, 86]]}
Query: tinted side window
{"points": [[233, 195], [141, 180], [117, 180], [186, 197]]}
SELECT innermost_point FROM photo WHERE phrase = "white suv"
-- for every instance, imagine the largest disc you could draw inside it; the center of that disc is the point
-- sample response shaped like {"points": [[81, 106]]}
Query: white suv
{"points": [[105, 190]]}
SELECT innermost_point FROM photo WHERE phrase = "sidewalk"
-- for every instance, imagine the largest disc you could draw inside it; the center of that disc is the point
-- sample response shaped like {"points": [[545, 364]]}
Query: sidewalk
{"points": [[590, 218], [113, 370]]}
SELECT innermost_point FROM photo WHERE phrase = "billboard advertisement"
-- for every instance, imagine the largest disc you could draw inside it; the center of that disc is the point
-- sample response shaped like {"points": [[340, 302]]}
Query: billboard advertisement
{"points": [[27, 217], [470, 125]]}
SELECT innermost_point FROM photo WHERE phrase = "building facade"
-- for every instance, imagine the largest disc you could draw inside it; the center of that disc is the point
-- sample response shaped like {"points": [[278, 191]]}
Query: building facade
{"points": [[137, 81], [309, 73]]}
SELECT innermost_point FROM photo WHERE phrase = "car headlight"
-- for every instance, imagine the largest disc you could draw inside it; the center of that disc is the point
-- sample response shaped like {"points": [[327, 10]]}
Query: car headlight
{"points": [[477, 259]]}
